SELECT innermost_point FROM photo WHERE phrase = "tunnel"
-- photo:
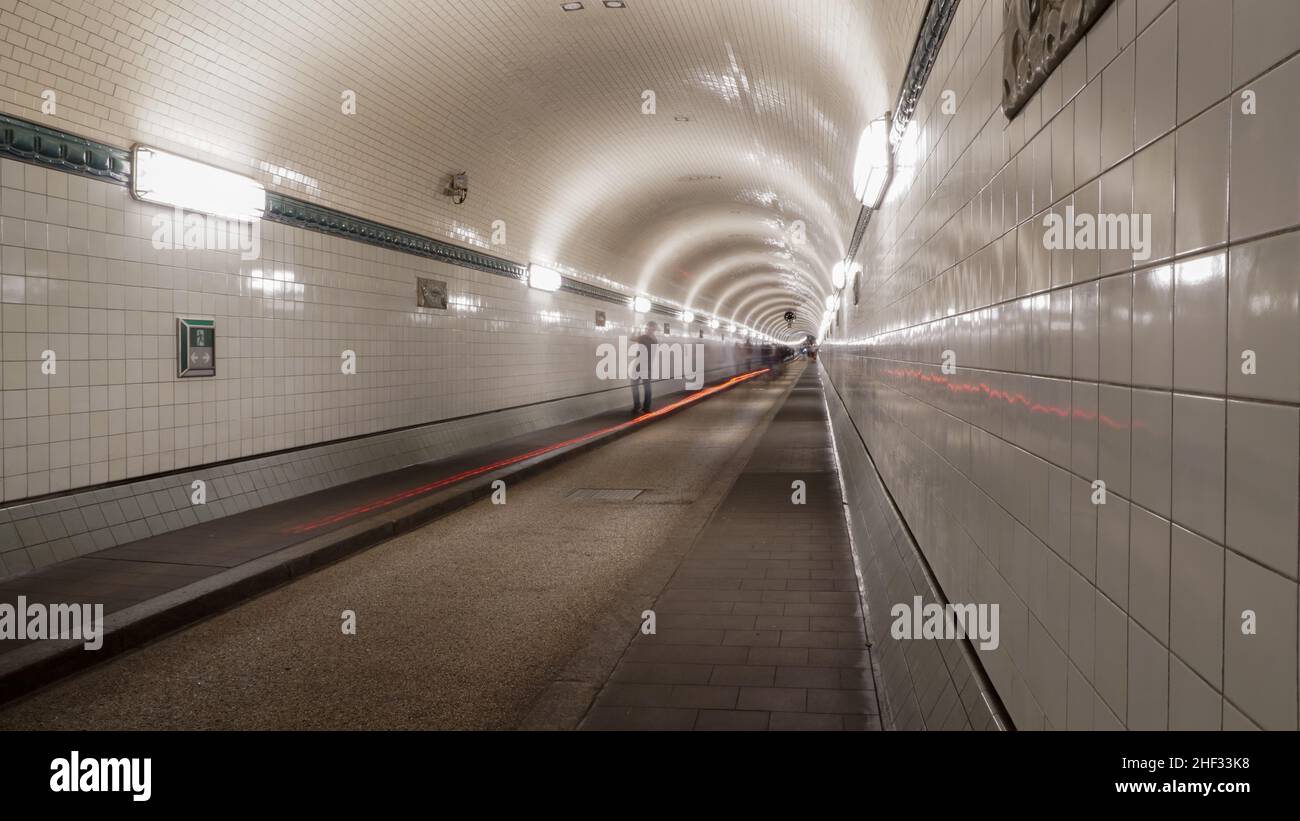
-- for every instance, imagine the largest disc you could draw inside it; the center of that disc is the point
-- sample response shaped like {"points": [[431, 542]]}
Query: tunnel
{"points": [[901, 366]]}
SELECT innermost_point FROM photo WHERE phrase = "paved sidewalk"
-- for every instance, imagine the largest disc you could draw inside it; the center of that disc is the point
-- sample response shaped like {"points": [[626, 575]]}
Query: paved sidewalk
{"points": [[760, 627]]}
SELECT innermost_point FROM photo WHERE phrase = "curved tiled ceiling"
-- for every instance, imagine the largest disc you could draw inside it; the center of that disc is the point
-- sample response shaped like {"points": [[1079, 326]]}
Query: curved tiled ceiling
{"points": [[759, 104]]}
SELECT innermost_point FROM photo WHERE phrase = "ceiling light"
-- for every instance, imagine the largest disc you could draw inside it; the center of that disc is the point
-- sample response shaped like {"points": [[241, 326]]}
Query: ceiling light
{"points": [[641, 305], [872, 167], [571, 6], [732, 328], [713, 323], [168, 179], [837, 275], [615, 4], [688, 317], [543, 279]]}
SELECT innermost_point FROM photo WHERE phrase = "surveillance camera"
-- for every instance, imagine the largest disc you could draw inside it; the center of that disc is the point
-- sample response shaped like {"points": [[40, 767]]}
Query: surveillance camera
{"points": [[458, 190]]}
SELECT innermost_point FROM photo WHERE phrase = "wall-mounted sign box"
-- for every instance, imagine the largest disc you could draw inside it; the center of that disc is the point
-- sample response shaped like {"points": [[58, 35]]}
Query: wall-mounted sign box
{"points": [[196, 344]]}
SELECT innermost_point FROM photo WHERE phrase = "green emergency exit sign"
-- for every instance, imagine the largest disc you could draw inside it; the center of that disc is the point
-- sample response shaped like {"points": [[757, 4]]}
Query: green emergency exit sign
{"points": [[196, 347]]}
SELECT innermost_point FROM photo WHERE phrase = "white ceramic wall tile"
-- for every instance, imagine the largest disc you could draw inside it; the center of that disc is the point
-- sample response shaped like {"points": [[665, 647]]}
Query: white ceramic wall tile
{"points": [[1200, 322], [1156, 78], [1148, 681], [1199, 440], [1152, 449], [1117, 108], [1264, 32], [1113, 533], [1196, 603], [1112, 656], [1264, 319], [1116, 333], [1153, 195], [1080, 698], [1193, 704], [1153, 340], [1204, 54], [1262, 481], [1201, 205], [1200, 517], [1258, 666], [1149, 572], [1265, 164]]}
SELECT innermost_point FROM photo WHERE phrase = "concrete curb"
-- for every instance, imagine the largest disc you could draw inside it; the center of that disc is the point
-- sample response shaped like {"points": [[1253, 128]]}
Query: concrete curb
{"points": [[43, 663]]}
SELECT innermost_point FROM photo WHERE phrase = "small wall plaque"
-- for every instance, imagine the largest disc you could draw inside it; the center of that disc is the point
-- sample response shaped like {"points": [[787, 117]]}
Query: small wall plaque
{"points": [[431, 293], [196, 345], [600, 319]]}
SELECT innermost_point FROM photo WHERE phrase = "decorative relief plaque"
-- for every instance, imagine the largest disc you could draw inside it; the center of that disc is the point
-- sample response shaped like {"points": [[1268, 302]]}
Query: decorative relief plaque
{"points": [[431, 293], [1037, 36]]}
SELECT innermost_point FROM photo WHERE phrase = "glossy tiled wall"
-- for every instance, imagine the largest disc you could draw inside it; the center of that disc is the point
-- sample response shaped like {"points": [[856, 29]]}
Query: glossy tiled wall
{"points": [[926, 685], [80, 276], [1073, 367]]}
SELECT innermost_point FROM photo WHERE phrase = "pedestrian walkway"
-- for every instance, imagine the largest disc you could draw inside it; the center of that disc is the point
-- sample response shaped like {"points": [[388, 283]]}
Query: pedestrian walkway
{"points": [[760, 627], [159, 583]]}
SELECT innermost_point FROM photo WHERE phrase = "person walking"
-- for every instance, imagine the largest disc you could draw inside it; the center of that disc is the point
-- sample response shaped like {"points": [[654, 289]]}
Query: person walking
{"points": [[641, 373]]}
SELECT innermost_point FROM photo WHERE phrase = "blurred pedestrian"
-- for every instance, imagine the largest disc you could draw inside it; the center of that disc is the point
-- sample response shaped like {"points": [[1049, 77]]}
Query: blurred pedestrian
{"points": [[641, 376]]}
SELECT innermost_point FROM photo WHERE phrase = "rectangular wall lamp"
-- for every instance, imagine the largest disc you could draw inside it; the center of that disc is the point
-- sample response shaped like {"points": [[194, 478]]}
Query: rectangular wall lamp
{"points": [[167, 179], [543, 279]]}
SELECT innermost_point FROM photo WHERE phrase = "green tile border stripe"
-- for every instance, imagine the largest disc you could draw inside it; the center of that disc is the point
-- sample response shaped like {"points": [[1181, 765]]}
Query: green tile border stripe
{"points": [[291, 211], [934, 29], [30, 142], [34, 143]]}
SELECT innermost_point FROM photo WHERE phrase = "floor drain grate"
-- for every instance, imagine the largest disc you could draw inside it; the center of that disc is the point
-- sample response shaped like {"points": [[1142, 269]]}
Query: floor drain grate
{"points": [[605, 494]]}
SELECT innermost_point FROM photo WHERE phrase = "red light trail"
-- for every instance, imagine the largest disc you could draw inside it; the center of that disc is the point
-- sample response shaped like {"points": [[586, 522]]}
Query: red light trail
{"points": [[380, 504]]}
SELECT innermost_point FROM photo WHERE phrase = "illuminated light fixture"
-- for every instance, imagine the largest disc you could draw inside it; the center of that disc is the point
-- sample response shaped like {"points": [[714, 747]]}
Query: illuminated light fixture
{"points": [[543, 279], [837, 275], [688, 317], [713, 323], [872, 168], [641, 305], [162, 178], [732, 328], [615, 4], [572, 6]]}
